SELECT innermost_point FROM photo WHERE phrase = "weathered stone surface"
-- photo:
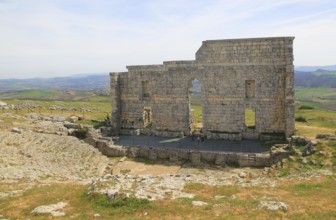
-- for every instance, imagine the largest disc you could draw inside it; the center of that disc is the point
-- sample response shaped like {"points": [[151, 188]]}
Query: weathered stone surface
{"points": [[73, 119], [33, 155], [53, 209], [326, 136], [242, 174], [195, 157], [170, 186], [70, 125], [152, 155], [273, 206], [235, 75], [16, 130], [198, 203]]}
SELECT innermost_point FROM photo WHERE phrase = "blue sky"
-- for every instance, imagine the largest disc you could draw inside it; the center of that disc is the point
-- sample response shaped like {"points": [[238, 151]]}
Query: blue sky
{"points": [[45, 38]]}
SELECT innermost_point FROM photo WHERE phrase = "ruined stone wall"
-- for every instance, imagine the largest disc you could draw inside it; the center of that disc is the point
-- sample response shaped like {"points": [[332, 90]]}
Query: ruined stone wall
{"points": [[234, 74]]}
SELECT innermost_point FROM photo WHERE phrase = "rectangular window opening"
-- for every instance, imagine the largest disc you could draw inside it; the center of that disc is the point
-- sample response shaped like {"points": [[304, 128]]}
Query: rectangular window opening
{"points": [[250, 118], [250, 88], [145, 89]]}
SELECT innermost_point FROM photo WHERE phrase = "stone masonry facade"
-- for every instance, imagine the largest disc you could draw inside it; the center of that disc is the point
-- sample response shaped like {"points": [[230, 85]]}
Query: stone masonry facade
{"points": [[235, 75]]}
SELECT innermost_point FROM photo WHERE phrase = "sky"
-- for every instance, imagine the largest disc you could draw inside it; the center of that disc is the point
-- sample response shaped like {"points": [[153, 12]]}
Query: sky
{"points": [[48, 38]]}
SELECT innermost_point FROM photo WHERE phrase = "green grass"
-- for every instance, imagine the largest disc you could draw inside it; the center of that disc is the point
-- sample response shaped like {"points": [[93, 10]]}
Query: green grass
{"points": [[100, 110], [250, 118], [129, 204], [196, 105], [71, 95], [317, 97], [318, 117], [96, 124]]}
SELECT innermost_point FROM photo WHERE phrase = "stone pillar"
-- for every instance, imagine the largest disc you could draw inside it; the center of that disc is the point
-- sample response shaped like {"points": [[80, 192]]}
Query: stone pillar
{"points": [[116, 102], [289, 104]]}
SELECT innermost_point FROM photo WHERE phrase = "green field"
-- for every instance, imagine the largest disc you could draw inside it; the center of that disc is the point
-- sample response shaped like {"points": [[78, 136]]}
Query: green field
{"points": [[324, 98], [323, 101], [99, 109], [70, 95], [318, 73]]}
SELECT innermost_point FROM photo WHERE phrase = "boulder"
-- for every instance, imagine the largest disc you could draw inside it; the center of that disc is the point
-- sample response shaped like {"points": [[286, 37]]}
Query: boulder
{"points": [[53, 209], [242, 174], [115, 194], [69, 125], [59, 118], [73, 119], [298, 140], [273, 206], [309, 149], [16, 130], [3, 103]]}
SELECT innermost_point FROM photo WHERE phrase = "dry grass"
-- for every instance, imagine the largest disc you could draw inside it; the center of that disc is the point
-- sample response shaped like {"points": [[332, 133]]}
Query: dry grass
{"points": [[310, 199], [311, 131]]}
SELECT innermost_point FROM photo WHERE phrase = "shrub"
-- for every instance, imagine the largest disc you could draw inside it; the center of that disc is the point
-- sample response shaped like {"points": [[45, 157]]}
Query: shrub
{"points": [[81, 133], [131, 203], [301, 119], [305, 106]]}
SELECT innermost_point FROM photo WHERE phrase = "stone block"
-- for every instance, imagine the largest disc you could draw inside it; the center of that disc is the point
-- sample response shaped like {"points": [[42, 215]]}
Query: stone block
{"points": [[173, 157], [220, 159], [195, 157], [152, 155]]}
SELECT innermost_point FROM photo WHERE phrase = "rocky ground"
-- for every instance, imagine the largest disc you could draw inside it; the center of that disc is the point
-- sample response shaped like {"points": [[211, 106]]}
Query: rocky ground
{"points": [[30, 155], [35, 150]]}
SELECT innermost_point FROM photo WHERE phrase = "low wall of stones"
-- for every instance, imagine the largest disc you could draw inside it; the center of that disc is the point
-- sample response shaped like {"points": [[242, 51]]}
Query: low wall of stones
{"points": [[169, 133], [107, 148], [224, 136]]}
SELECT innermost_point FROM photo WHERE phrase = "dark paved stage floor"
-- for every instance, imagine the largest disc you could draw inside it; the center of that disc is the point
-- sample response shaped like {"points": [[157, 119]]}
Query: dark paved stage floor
{"points": [[186, 143]]}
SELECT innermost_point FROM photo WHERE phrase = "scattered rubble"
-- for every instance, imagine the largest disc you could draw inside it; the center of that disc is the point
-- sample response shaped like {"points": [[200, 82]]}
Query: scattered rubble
{"points": [[326, 136], [53, 209], [168, 186]]}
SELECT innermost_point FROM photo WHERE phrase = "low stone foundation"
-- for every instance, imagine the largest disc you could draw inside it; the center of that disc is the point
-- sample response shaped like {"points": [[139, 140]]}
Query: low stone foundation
{"points": [[224, 136], [277, 153], [169, 133], [130, 131]]}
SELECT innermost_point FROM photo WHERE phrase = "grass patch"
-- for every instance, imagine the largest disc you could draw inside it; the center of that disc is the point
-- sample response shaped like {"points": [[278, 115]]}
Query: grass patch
{"points": [[99, 110], [306, 106], [129, 205], [322, 98], [95, 123]]}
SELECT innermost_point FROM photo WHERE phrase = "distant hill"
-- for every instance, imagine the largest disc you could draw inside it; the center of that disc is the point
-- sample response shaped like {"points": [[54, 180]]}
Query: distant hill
{"points": [[76, 82], [315, 79], [315, 68], [319, 77]]}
